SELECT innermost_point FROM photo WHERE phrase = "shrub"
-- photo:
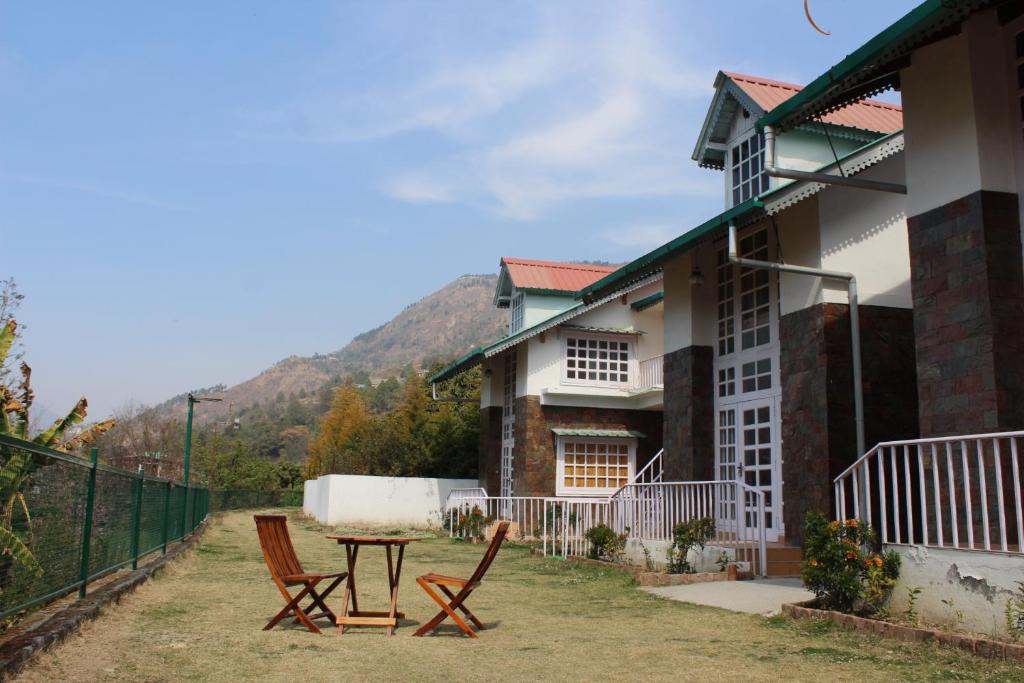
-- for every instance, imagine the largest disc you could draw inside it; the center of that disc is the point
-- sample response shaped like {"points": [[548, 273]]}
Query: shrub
{"points": [[472, 524], [843, 565], [694, 533], [605, 544]]}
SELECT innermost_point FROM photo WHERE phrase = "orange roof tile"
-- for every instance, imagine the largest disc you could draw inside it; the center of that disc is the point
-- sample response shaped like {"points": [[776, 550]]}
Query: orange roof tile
{"points": [[554, 275], [864, 114]]}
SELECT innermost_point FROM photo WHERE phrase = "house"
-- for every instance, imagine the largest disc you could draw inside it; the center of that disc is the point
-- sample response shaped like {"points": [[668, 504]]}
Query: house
{"points": [[908, 247], [758, 365], [951, 501], [570, 400]]}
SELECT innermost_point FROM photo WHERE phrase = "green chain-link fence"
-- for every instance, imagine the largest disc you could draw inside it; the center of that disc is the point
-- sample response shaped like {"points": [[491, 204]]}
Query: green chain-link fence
{"points": [[239, 499], [64, 521]]}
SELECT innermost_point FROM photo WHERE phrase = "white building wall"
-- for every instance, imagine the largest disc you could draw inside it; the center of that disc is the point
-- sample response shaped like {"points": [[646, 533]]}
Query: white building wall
{"points": [[865, 232], [544, 351], [540, 307], [678, 318], [974, 584], [405, 502], [956, 117]]}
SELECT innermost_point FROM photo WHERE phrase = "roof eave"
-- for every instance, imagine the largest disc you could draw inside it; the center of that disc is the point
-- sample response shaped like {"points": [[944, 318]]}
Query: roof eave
{"points": [[652, 261], [857, 76]]}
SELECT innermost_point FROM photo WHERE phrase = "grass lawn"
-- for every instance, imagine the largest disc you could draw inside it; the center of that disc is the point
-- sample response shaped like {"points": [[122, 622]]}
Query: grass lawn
{"points": [[547, 619]]}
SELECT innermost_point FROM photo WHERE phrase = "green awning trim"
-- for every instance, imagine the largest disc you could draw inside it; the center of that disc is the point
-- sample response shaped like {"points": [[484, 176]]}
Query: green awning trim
{"points": [[605, 433], [873, 66], [652, 260], [647, 301], [472, 358]]}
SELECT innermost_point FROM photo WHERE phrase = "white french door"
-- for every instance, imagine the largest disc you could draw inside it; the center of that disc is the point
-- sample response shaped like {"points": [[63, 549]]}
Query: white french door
{"points": [[508, 423], [747, 386]]}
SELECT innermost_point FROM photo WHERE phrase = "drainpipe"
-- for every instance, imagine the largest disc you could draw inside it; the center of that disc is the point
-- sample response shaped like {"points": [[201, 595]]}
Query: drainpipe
{"points": [[773, 170], [851, 283]]}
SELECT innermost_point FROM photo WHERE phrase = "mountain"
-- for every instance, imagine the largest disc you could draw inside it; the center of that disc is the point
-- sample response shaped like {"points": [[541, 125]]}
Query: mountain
{"points": [[441, 326]]}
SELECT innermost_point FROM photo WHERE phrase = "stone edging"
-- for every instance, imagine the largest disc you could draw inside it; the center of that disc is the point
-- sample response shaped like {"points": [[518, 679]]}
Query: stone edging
{"points": [[51, 631], [983, 647], [643, 577]]}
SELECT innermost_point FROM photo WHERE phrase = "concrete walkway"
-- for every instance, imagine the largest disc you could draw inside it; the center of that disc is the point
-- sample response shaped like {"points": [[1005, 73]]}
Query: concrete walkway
{"points": [[760, 596]]}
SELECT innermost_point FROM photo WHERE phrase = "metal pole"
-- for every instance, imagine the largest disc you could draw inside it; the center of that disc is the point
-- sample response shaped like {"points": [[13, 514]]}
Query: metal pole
{"points": [[137, 517], [188, 459], [83, 573], [167, 516]]}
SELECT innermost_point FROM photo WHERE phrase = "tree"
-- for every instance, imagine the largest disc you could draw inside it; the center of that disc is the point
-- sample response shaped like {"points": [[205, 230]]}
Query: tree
{"points": [[347, 415], [10, 301]]}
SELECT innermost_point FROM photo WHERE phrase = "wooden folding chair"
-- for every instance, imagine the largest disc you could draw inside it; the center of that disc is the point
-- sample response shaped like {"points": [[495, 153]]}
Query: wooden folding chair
{"points": [[286, 570], [464, 586]]}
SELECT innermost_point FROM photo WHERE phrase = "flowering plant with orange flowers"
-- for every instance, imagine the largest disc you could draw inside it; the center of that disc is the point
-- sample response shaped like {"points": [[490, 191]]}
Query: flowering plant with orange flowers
{"points": [[844, 566]]}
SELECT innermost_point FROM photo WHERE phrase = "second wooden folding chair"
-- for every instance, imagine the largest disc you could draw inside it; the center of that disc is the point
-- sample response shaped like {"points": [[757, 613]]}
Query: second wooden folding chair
{"points": [[455, 602]]}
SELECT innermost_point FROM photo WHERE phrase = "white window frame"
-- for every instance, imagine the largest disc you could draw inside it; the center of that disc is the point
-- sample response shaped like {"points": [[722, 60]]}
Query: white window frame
{"points": [[631, 363], [736, 163], [562, 490], [517, 312]]}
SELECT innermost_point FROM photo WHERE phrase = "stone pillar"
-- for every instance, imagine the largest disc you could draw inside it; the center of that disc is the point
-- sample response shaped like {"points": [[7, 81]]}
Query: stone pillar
{"points": [[818, 429], [489, 457], [689, 437], [968, 289]]}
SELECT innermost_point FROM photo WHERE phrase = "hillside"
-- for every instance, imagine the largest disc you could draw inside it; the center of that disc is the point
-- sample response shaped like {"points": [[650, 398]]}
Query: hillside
{"points": [[440, 326]]}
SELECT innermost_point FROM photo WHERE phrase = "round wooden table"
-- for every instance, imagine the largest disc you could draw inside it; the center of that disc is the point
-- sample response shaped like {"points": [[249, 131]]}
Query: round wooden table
{"points": [[356, 616]]}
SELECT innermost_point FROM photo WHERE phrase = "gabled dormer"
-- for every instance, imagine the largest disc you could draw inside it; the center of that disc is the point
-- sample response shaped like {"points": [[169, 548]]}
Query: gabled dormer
{"points": [[533, 291], [729, 141]]}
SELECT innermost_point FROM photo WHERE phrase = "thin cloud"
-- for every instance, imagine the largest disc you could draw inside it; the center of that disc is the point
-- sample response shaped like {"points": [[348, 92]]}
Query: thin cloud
{"points": [[91, 189], [641, 236], [583, 107]]}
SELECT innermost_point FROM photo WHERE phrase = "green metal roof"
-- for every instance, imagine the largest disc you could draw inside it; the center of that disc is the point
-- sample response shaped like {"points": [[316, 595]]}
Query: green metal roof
{"points": [[606, 433], [650, 261], [647, 301], [875, 65]]}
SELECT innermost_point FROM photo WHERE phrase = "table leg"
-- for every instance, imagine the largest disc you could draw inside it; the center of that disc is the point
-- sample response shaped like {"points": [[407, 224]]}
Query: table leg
{"points": [[351, 554], [393, 579]]}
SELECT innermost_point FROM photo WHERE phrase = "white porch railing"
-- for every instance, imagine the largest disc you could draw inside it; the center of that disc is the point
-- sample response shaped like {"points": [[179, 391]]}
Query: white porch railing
{"points": [[960, 492], [651, 512], [559, 523], [648, 511], [651, 472], [650, 373]]}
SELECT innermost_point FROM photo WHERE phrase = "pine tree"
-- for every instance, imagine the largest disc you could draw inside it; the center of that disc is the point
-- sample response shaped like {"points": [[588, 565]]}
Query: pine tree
{"points": [[347, 415]]}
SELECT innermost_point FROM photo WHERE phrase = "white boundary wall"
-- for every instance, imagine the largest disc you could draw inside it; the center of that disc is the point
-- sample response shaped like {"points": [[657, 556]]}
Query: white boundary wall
{"points": [[379, 501], [974, 584]]}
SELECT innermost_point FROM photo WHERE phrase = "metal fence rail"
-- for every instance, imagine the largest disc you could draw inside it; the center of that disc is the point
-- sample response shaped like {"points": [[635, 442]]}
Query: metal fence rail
{"points": [[961, 492], [65, 521]]}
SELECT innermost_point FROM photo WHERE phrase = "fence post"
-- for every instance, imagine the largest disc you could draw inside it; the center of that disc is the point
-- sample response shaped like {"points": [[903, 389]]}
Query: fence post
{"points": [[167, 516], [90, 497], [137, 517]]}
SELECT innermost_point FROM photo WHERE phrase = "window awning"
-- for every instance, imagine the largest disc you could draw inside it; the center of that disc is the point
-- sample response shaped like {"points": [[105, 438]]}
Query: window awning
{"points": [[603, 433]]}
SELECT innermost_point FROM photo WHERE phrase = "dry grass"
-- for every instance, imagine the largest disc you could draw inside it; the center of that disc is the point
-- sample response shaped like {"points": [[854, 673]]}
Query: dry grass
{"points": [[547, 619]]}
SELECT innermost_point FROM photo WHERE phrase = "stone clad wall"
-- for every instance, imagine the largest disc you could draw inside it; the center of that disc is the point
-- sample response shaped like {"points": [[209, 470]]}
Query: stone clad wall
{"points": [[968, 288], [536, 447], [818, 429], [689, 414]]}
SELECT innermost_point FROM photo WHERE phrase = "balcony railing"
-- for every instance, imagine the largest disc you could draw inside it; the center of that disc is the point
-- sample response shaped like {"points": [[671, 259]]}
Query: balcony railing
{"points": [[649, 374], [961, 492]]}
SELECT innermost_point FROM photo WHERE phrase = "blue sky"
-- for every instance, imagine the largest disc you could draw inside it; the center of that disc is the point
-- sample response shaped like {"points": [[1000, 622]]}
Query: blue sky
{"points": [[191, 191]]}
